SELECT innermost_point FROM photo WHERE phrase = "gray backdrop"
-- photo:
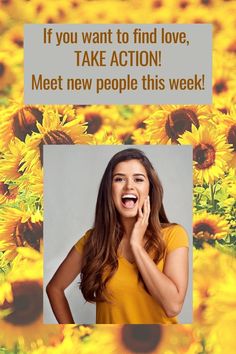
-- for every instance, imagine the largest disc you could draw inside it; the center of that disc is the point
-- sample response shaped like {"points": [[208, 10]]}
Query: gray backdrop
{"points": [[71, 179]]}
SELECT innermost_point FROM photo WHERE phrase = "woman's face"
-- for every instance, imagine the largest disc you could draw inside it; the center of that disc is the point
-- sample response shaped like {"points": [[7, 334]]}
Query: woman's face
{"points": [[130, 187]]}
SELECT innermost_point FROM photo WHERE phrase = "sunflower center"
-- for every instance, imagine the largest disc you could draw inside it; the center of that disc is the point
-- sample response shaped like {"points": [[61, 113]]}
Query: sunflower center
{"points": [[4, 189], [183, 4], [50, 20], [179, 121], [220, 87], [204, 155], [24, 121], [157, 4], [29, 232], [141, 125], [232, 136], [27, 303], [141, 338], [203, 228], [232, 47], [7, 191], [127, 139], [223, 110], [6, 2], [74, 4], [54, 137], [39, 8], [94, 121], [2, 69], [206, 2], [19, 42]]}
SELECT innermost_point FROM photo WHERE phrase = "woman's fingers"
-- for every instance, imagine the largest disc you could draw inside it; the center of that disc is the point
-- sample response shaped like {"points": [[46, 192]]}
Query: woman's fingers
{"points": [[140, 213], [147, 209], [144, 215]]}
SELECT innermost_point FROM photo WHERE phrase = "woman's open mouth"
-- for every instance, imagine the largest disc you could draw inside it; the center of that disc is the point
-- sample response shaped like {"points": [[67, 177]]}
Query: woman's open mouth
{"points": [[129, 200]]}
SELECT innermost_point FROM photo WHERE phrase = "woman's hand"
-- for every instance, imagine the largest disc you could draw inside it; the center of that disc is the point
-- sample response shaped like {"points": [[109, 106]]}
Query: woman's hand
{"points": [[140, 227]]}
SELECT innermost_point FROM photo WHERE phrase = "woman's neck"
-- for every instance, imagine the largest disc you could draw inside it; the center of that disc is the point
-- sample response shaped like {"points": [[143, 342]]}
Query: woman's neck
{"points": [[128, 225]]}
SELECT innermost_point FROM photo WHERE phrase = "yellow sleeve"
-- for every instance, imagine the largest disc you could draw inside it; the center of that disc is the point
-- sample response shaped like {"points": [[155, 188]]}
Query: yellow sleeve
{"points": [[176, 237], [80, 244]]}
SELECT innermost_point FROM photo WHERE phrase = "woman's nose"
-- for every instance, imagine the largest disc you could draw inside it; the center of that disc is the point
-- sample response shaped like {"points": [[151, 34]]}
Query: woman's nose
{"points": [[129, 183]]}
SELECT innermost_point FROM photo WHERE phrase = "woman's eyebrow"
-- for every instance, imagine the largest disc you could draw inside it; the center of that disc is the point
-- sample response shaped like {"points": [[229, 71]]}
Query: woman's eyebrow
{"points": [[139, 174], [118, 174], [123, 174]]}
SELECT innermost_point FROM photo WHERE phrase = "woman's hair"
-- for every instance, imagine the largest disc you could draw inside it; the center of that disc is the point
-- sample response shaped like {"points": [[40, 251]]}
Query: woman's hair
{"points": [[100, 254]]}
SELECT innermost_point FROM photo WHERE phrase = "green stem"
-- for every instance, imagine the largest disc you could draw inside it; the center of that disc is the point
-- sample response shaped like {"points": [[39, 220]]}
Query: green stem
{"points": [[212, 196]]}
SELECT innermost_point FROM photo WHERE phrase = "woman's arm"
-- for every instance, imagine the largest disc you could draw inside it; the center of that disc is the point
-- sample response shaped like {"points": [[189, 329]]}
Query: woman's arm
{"points": [[65, 274], [168, 288]]}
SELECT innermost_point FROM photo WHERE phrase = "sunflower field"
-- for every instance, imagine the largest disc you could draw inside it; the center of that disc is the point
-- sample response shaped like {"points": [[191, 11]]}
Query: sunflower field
{"points": [[210, 129]]}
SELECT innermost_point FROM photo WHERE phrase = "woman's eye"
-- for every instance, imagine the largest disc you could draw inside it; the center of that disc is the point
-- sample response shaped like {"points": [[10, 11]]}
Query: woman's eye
{"points": [[118, 179], [138, 180]]}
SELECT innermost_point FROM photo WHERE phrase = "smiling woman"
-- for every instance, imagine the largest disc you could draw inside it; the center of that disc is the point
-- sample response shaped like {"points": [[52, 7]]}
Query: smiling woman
{"points": [[133, 262]]}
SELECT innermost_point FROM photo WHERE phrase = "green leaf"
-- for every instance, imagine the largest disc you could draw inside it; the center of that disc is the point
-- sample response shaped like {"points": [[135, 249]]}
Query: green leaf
{"points": [[228, 249], [199, 190]]}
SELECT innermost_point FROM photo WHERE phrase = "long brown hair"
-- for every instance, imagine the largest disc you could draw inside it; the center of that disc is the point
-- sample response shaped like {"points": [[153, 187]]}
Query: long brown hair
{"points": [[100, 254]]}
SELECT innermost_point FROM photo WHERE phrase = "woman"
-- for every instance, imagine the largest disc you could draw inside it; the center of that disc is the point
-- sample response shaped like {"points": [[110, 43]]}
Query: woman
{"points": [[133, 263]]}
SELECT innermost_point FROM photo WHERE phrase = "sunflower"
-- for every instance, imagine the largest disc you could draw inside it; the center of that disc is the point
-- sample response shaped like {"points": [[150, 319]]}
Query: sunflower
{"points": [[124, 134], [7, 192], [13, 40], [169, 122], [17, 121], [67, 113], [104, 138], [222, 105], [81, 339], [142, 338], [34, 184], [223, 293], [14, 9], [140, 137], [224, 77], [210, 153], [53, 131], [99, 118], [81, 331], [228, 127], [225, 40], [11, 161], [94, 12], [135, 115], [4, 19], [46, 12], [22, 303], [135, 130], [206, 262], [6, 251], [6, 74], [220, 313], [221, 338], [208, 227], [155, 339], [197, 15], [21, 228], [58, 344]]}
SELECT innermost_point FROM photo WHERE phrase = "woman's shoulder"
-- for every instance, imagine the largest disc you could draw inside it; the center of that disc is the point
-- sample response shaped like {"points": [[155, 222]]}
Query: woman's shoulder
{"points": [[81, 242], [174, 236]]}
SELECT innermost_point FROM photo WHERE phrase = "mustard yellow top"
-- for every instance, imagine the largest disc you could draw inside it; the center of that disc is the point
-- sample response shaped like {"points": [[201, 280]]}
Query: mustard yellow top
{"points": [[130, 302]]}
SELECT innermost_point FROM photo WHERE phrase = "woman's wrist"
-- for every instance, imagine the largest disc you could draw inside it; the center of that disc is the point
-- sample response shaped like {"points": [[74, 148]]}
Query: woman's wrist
{"points": [[136, 246]]}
